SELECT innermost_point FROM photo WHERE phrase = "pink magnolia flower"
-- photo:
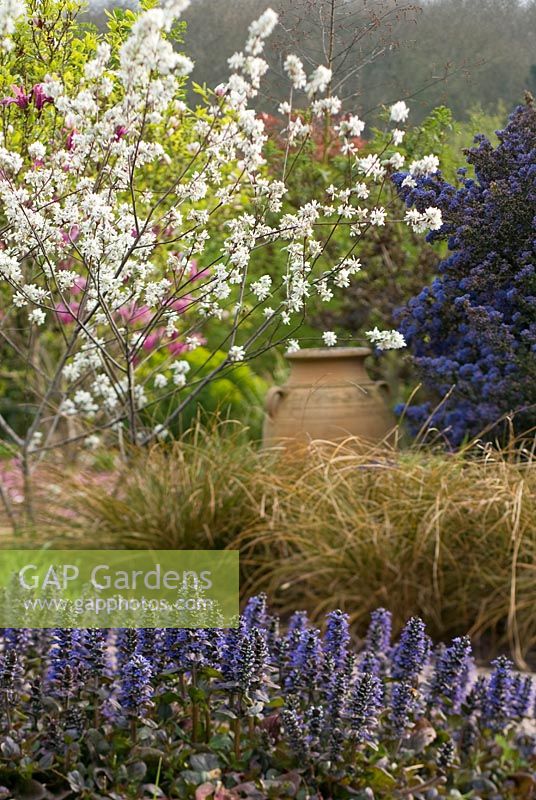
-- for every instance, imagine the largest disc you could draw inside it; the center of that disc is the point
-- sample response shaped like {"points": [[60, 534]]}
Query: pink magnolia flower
{"points": [[19, 98], [39, 97], [66, 263], [191, 268], [197, 274], [180, 304], [79, 285], [132, 314], [67, 314], [70, 142], [71, 235], [176, 347], [119, 132], [153, 339]]}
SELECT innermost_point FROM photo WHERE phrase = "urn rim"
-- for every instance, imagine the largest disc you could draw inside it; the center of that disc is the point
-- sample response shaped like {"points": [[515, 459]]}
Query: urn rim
{"points": [[328, 353]]}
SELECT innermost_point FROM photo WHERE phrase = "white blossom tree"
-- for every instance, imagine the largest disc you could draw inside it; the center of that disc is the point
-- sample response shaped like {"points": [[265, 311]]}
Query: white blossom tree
{"points": [[132, 227]]}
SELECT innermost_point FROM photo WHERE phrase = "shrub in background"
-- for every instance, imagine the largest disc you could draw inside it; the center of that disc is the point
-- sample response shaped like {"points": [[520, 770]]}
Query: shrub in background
{"points": [[237, 395], [395, 260], [473, 330]]}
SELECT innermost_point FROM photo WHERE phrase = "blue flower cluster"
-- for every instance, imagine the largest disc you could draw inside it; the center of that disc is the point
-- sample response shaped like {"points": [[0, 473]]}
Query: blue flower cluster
{"points": [[473, 330]]}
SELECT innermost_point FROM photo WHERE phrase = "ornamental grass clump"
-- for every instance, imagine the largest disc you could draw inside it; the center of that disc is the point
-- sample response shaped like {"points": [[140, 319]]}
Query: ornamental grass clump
{"points": [[260, 711], [450, 538], [196, 493]]}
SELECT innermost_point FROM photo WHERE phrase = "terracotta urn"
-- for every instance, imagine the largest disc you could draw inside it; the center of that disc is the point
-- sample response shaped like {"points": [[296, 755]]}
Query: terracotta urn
{"points": [[330, 396]]}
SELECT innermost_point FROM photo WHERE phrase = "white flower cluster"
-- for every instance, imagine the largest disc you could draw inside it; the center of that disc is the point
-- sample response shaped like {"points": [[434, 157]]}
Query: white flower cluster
{"points": [[329, 338], [386, 340], [260, 30], [180, 370], [146, 51], [430, 219], [399, 112], [318, 80], [422, 167], [10, 12], [295, 71]]}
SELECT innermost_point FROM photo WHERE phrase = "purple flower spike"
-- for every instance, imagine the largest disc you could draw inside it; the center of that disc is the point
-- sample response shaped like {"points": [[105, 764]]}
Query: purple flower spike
{"points": [[136, 690], [378, 640], [365, 705], [402, 707], [499, 694], [521, 695], [449, 681], [337, 638], [411, 653]]}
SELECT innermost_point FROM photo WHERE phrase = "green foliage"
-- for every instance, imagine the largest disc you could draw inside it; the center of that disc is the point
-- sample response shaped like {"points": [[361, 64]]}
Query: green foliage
{"points": [[463, 133], [51, 40], [395, 261], [235, 394], [430, 136], [52, 36]]}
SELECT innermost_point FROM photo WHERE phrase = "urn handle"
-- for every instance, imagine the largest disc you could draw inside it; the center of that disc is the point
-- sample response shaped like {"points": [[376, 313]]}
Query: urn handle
{"points": [[383, 387], [383, 390], [273, 399]]}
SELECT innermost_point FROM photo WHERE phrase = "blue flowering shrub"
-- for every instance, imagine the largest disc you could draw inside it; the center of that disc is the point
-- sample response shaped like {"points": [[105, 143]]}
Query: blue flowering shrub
{"points": [[473, 330], [258, 712]]}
